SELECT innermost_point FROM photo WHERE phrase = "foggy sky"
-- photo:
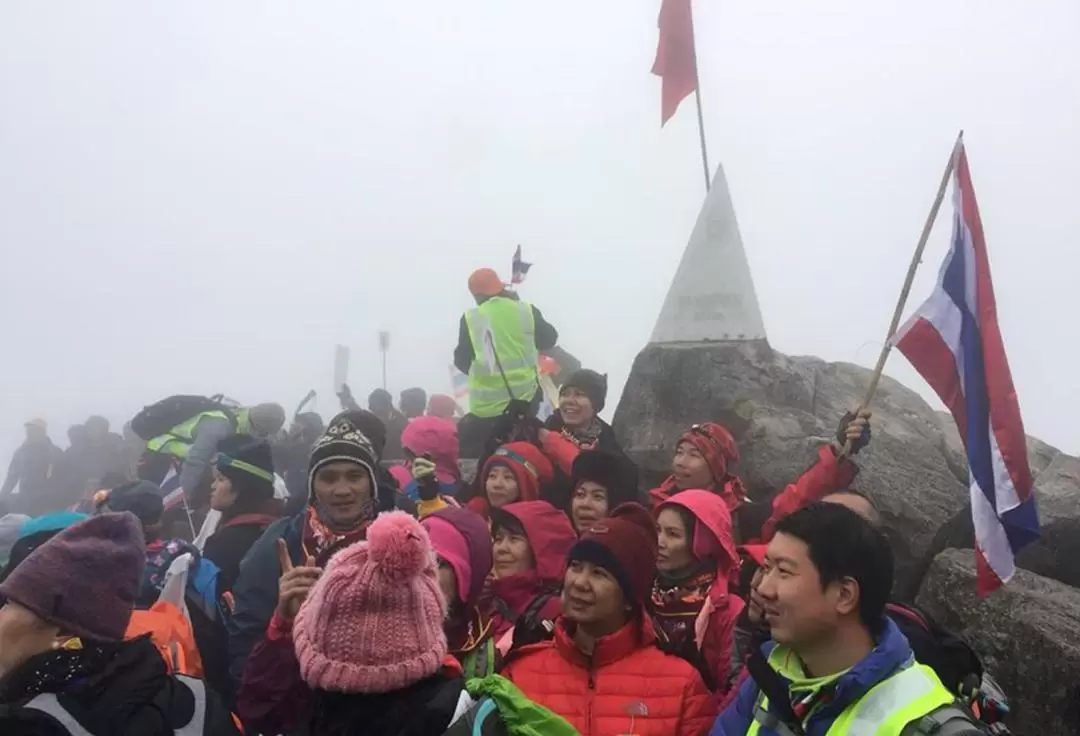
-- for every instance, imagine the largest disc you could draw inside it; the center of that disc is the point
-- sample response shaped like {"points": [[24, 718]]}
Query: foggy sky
{"points": [[207, 196]]}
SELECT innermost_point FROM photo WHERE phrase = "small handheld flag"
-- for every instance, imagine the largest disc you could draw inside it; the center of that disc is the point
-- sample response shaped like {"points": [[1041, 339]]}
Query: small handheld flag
{"points": [[519, 268]]}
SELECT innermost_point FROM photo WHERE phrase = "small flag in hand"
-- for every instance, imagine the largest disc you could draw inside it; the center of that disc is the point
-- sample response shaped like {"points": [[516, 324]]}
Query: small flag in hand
{"points": [[954, 342], [520, 268], [676, 60]]}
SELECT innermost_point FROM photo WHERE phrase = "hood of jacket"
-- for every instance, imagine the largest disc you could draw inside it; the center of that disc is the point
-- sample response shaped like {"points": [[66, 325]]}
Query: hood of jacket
{"points": [[437, 438], [713, 536], [474, 530], [550, 536]]}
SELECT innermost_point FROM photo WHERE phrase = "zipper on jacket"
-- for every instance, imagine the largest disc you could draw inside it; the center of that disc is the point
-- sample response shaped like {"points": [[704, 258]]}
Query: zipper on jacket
{"points": [[592, 693]]}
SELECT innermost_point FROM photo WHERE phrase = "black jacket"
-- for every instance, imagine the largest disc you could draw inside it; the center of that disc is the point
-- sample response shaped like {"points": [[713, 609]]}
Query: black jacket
{"points": [[546, 338], [227, 546], [424, 709], [132, 696]]}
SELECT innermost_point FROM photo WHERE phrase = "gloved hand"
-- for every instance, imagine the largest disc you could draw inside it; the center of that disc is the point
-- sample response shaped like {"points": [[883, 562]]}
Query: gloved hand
{"points": [[423, 468], [856, 429], [423, 472]]}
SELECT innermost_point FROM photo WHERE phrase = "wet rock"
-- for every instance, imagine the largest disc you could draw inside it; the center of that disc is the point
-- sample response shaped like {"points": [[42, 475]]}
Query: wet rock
{"points": [[1027, 634], [780, 409]]}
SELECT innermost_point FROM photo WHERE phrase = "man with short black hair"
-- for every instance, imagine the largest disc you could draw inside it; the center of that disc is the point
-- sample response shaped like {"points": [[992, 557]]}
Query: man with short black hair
{"points": [[837, 663]]}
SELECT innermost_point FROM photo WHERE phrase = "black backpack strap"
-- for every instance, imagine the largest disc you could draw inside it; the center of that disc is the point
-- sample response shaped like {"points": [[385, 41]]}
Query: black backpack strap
{"points": [[773, 687], [948, 720], [770, 721]]}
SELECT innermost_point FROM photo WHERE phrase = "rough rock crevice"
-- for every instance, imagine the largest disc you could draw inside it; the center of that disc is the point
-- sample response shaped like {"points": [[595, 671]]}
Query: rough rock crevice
{"points": [[1027, 634]]}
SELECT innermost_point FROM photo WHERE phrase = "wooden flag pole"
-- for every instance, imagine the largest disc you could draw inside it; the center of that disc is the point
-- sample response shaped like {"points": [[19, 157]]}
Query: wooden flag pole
{"points": [[697, 98], [915, 260]]}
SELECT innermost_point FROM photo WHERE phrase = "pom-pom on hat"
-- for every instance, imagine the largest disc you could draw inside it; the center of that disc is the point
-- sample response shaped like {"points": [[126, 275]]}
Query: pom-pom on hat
{"points": [[373, 623]]}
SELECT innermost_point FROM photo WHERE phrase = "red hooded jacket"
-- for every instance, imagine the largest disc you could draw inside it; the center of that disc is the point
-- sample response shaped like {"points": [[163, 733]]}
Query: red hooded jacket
{"points": [[550, 536], [714, 628], [627, 686]]}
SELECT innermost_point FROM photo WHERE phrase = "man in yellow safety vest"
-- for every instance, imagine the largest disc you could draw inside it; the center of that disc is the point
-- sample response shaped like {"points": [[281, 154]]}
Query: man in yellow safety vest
{"points": [[499, 344], [837, 664], [193, 443]]}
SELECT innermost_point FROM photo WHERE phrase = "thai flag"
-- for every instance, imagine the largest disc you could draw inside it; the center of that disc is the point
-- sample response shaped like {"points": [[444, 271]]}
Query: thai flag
{"points": [[954, 342], [171, 493], [519, 268]]}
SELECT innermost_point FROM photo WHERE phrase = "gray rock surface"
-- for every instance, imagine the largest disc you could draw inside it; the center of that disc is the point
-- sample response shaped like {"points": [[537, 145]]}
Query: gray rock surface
{"points": [[1028, 635], [780, 409], [1057, 486]]}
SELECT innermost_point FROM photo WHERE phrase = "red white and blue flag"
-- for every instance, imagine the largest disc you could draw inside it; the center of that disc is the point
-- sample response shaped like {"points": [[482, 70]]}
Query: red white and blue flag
{"points": [[172, 495], [954, 342]]}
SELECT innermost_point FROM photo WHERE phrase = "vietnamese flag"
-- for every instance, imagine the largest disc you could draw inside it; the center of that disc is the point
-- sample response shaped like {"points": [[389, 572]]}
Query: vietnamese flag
{"points": [[676, 61]]}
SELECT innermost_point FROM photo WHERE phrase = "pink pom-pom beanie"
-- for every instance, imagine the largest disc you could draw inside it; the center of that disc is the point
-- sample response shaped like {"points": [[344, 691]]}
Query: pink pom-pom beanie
{"points": [[373, 623]]}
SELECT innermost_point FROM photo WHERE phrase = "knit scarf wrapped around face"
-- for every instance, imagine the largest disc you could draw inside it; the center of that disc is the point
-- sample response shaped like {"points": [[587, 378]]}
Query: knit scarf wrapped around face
{"points": [[586, 437], [58, 670], [677, 600], [320, 541]]}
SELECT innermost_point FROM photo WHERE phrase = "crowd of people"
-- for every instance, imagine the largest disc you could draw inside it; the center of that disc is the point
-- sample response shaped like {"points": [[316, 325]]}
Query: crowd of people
{"points": [[385, 593]]}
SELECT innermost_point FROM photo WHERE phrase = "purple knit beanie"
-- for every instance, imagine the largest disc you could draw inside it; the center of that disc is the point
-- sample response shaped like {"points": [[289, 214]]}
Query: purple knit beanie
{"points": [[86, 578], [373, 623]]}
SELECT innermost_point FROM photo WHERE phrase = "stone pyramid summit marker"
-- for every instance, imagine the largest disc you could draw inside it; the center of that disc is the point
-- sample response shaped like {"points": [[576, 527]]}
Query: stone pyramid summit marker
{"points": [[712, 296]]}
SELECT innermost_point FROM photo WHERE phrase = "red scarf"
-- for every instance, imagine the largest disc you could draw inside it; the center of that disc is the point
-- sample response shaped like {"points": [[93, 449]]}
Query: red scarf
{"points": [[321, 542]]}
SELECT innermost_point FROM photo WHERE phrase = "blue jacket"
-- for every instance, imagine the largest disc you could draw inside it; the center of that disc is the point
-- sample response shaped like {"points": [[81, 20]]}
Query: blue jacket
{"points": [[412, 491], [890, 654], [255, 593]]}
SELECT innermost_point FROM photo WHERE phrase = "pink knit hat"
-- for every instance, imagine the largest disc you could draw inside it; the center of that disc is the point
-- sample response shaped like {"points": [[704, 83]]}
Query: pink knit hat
{"points": [[373, 623]]}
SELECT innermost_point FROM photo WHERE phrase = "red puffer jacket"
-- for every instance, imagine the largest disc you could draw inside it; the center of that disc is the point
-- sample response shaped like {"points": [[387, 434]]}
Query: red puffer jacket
{"points": [[628, 685]]}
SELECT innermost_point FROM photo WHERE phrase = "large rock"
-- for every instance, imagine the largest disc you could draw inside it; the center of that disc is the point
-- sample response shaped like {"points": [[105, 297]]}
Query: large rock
{"points": [[1028, 635], [781, 409], [1057, 487]]}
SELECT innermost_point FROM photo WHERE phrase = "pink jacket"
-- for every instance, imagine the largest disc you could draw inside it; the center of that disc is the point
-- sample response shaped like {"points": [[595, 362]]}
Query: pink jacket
{"points": [[714, 628]]}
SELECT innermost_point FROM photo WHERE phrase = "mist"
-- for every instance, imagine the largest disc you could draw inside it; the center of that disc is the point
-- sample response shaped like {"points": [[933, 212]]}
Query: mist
{"points": [[207, 197]]}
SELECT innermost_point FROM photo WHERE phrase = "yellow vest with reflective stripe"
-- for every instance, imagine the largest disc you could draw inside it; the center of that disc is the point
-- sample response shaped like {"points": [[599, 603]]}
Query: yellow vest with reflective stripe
{"points": [[177, 441], [886, 708], [512, 330]]}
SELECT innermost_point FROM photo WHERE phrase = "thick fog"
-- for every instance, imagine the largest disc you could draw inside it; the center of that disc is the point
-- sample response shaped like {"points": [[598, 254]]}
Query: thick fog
{"points": [[207, 196]]}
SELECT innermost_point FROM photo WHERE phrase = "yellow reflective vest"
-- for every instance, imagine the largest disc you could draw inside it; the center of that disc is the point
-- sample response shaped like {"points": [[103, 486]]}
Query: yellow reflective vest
{"points": [[503, 335], [885, 710], [177, 441]]}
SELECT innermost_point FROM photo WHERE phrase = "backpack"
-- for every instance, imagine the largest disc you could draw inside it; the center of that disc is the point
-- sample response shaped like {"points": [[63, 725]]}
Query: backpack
{"points": [[161, 416], [954, 662], [529, 627], [171, 633], [949, 656], [948, 720]]}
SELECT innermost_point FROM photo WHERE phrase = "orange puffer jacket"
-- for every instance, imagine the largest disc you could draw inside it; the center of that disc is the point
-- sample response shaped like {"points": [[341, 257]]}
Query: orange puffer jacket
{"points": [[627, 687]]}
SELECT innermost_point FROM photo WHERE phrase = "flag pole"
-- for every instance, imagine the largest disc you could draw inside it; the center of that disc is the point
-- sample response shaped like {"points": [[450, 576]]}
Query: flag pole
{"points": [[697, 98], [908, 280]]}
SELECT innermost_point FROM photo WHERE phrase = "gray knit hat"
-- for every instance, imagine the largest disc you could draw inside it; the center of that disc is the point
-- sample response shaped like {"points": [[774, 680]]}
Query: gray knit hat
{"points": [[266, 419]]}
